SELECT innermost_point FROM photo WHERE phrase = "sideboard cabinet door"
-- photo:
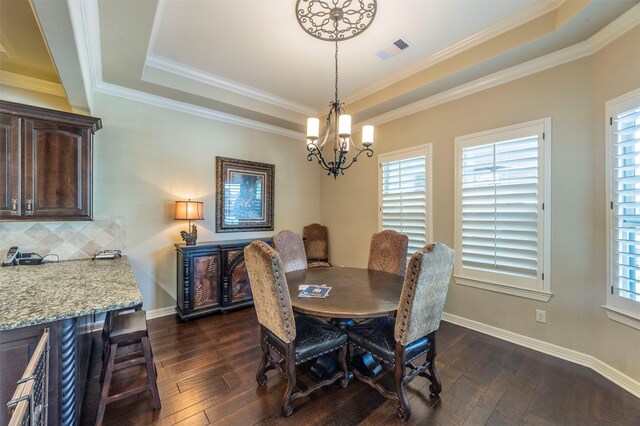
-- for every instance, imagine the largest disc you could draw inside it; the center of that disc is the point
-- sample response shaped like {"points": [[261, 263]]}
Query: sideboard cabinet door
{"points": [[206, 273], [212, 277], [237, 279]]}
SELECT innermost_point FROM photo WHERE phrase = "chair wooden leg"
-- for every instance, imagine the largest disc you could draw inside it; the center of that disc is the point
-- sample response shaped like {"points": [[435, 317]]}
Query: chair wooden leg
{"points": [[151, 372], [107, 373], [342, 360], [261, 378], [404, 411], [435, 387], [290, 362]]}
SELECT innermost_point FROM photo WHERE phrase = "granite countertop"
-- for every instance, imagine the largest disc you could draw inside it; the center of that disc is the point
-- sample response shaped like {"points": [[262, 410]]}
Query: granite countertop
{"points": [[31, 295]]}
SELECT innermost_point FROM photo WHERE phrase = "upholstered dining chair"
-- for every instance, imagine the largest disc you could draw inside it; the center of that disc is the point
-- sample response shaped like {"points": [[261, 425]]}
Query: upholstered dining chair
{"points": [[399, 341], [316, 245], [388, 252], [295, 339], [290, 247]]}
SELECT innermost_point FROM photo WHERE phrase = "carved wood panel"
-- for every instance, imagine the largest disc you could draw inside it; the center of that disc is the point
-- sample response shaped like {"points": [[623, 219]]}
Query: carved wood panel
{"points": [[239, 279], [205, 281]]}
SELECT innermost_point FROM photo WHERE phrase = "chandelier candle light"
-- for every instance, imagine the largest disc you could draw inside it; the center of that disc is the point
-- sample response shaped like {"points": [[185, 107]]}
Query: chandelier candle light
{"points": [[336, 20]]}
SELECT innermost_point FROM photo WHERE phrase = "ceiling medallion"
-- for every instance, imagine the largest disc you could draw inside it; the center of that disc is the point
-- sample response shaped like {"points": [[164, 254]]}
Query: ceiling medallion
{"points": [[333, 20]]}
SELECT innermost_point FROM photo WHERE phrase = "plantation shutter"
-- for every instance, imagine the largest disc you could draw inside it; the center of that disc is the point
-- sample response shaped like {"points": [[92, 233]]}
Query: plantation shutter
{"points": [[404, 199], [625, 196], [501, 211]]}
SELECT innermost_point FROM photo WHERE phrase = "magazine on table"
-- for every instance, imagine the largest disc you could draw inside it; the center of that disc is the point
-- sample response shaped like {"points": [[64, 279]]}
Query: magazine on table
{"points": [[314, 291]]}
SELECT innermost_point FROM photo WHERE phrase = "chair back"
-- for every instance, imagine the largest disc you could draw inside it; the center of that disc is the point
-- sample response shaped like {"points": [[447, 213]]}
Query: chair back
{"points": [[316, 242], [423, 293], [270, 292], [290, 247], [388, 252]]}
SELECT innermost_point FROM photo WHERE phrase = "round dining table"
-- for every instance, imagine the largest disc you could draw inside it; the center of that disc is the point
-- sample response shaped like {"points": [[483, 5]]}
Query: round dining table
{"points": [[355, 293]]}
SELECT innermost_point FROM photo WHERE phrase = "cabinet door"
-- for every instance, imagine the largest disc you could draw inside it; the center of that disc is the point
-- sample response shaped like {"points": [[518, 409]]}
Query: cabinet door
{"points": [[57, 171], [238, 279], [10, 128], [206, 292]]}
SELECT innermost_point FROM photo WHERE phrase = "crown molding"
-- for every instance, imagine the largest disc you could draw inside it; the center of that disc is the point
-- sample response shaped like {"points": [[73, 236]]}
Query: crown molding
{"points": [[162, 102], [85, 16], [90, 39], [626, 22], [155, 28], [153, 60], [33, 84], [508, 23], [203, 77], [602, 38], [85, 24]]}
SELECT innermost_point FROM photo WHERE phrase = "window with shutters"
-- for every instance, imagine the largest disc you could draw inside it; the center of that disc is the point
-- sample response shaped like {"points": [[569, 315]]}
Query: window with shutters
{"points": [[502, 210], [405, 194], [623, 124]]}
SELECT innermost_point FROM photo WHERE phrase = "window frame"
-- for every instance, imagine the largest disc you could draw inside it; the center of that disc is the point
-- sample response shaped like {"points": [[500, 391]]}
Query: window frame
{"points": [[494, 281], [403, 154], [629, 312]]}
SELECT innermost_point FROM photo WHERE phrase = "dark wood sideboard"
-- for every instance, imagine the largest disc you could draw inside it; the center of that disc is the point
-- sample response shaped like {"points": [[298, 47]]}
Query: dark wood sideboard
{"points": [[212, 277]]}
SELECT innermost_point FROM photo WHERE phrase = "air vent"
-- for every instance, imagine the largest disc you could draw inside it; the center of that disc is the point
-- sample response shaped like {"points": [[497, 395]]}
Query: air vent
{"points": [[393, 49], [401, 44]]}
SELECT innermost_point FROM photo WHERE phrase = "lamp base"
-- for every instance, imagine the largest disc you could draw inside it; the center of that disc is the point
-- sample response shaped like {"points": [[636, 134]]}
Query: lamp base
{"points": [[190, 237]]}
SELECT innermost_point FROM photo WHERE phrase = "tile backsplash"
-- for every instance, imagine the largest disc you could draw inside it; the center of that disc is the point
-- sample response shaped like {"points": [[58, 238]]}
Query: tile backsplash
{"points": [[68, 240]]}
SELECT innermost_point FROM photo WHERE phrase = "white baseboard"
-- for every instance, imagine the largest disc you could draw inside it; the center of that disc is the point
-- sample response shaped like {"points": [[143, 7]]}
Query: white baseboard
{"points": [[605, 370], [162, 312]]}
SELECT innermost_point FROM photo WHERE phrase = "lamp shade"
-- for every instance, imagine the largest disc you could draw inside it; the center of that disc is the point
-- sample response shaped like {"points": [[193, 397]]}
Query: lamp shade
{"points": [[367, 135], [344, 125], [313, 128], [189, 210]]}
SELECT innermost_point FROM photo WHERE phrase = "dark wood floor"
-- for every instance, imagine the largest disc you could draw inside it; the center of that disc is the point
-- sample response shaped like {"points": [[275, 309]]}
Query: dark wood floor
{"points": [[206, 372]]}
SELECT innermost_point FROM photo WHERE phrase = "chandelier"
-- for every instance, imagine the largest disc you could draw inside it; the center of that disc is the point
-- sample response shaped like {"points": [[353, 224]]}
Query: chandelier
{"points": [[336, 20]]}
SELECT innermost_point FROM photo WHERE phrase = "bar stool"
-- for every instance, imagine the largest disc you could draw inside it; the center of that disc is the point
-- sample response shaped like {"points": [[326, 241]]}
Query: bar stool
{"points": [[127, 329], [108, 321]]}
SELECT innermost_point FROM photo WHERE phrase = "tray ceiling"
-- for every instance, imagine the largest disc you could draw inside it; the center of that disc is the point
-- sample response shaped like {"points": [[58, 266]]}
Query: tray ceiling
{"points": [[249, 59]]}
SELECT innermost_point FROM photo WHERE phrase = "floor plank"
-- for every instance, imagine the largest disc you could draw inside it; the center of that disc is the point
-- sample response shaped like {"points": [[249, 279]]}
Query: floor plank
{"points": [[206, 375]]}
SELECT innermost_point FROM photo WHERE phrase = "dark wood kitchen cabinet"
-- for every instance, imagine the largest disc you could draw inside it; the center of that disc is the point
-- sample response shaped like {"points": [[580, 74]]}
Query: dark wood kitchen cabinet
{"points": [[212, 277], [46, 160]]}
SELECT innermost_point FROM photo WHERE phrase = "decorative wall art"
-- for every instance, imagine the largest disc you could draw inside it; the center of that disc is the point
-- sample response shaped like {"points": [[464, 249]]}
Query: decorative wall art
{"points": [[244, 195]]}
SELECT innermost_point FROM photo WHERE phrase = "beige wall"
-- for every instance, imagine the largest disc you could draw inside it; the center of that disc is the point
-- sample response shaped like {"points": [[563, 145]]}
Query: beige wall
{"points": [[573, 95], [145, 158]]}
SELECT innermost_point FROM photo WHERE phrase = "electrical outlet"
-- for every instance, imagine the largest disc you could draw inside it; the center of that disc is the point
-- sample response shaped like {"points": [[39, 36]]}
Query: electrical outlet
{"points": [[541, 316]]}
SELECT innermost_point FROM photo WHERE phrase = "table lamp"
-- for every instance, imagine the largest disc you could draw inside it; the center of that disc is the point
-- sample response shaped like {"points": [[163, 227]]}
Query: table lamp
{"points": [[189, 210]]}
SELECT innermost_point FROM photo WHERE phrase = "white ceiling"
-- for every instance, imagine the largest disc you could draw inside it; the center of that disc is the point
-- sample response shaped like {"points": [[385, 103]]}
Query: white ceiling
{"points": [[261, 45], [250, 63]]}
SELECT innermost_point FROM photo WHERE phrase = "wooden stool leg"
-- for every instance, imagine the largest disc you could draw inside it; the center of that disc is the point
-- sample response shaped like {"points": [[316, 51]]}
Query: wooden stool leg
{"points": [[106, 383], [105, 360], [148, 358]]}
